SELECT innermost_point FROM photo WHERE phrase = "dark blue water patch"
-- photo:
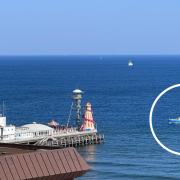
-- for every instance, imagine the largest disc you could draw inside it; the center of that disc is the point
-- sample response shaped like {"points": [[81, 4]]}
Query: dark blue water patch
{"points": [[39, 89]]}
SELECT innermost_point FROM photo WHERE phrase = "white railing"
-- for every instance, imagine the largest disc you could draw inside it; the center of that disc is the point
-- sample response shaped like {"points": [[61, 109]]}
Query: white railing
{"points": [[55, 133]]}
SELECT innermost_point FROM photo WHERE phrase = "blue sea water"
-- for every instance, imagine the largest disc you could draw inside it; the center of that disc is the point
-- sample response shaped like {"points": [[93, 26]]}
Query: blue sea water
{"points": [[39, 89]]}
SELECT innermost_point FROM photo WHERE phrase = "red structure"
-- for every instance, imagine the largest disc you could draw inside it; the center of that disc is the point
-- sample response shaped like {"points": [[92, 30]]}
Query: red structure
{"points": [[88, 121], [62, 164]]}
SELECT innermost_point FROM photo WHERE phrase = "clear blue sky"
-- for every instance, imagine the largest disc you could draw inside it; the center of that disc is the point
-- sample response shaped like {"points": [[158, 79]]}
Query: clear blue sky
{"points": [[31, 27]]}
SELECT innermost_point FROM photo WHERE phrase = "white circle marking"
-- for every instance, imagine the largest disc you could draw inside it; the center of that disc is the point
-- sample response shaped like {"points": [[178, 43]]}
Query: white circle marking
{"points": [[150, 119]]}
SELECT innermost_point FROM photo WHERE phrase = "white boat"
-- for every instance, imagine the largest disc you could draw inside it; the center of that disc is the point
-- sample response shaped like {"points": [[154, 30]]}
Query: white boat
{"points": [[174, 121], [130, 63]]}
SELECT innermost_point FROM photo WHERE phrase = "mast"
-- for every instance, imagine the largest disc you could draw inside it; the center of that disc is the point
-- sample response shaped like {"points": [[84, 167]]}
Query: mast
{"points": [[3, 109]]}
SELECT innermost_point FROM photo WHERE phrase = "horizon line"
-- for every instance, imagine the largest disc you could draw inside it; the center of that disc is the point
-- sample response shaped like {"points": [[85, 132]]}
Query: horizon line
{"points": [[66, 55]]}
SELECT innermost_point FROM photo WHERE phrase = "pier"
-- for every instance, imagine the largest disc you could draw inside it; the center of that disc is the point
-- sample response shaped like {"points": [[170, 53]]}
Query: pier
{"points": [[61, 140], [77, 140], [72, 140], [53, 135]]}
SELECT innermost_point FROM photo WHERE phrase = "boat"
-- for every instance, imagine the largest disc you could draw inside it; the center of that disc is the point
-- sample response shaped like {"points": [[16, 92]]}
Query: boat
{"points": [[53, 123], [130, 63], [174, 121]]}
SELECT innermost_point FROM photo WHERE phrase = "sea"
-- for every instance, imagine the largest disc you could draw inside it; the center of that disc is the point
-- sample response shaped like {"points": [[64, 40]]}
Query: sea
{"points": [[39, 88]]}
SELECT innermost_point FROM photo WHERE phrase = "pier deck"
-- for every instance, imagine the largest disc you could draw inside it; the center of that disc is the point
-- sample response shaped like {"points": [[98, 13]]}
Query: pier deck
{"points": [[61, 139]]}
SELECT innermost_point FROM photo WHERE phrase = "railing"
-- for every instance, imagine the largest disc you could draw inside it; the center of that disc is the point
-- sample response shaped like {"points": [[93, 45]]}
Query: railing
{"points": [[65, 130], [55, 133]]}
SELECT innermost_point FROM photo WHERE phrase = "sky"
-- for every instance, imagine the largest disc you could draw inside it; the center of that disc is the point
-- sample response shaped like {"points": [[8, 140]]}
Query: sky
{"points": [[89, 27]]}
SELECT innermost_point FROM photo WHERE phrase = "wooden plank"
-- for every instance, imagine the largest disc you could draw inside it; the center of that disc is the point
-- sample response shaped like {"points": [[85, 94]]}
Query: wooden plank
{"points": [[36, 164], [58, 161], [53, 162], [6, 169], [12, 168], [30, 166], [24, 166], [42, 164], [69, 160], [47, 163], [75, 160], [18, 167], [2, 173]]}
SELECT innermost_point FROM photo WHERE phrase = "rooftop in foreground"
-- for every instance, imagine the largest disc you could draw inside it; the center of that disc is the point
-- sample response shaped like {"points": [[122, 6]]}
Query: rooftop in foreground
{"points": [[64, 164], [9, 150]]}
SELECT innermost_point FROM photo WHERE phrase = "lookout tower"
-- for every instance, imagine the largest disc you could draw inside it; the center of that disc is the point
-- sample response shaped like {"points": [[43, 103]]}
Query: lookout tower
{"points": [[77, 96]]}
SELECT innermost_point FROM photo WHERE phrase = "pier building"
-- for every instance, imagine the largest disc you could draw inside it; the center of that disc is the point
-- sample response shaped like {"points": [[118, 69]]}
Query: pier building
{"points": [[53, 134]]}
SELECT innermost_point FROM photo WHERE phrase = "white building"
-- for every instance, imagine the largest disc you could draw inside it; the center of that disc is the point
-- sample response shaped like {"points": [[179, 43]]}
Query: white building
{"points": [[2, 120], [34, 130], [8, 133]]}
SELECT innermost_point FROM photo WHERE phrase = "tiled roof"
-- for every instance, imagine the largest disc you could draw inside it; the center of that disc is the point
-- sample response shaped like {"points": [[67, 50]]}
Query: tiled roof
{"points": [[58, 164]]}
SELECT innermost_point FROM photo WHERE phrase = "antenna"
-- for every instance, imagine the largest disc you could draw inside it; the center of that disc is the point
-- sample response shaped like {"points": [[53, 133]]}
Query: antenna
{"points": [[3, 109], [69, 115]]}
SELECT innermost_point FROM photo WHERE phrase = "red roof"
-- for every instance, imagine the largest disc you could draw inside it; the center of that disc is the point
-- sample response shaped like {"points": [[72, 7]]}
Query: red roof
{"points": [[59, 164]]}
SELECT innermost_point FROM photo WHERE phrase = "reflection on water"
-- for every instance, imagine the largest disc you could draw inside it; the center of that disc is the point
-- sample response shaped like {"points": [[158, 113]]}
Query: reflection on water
{"points": [[88, 152]]}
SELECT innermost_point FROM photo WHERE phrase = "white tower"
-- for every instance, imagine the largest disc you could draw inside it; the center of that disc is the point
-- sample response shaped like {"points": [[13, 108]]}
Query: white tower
{"points": [[2, 120], [77, 96], [3, 117]]}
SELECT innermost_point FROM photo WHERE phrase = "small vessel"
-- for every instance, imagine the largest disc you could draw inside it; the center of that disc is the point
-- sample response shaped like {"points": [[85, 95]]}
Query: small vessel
{"points": [[130, 63], [174, 121], [53, 123]]}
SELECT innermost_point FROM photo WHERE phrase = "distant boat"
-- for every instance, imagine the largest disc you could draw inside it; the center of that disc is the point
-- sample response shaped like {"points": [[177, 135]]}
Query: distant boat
{"points": [[130, 63], [174, 121], [53, 123]]}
